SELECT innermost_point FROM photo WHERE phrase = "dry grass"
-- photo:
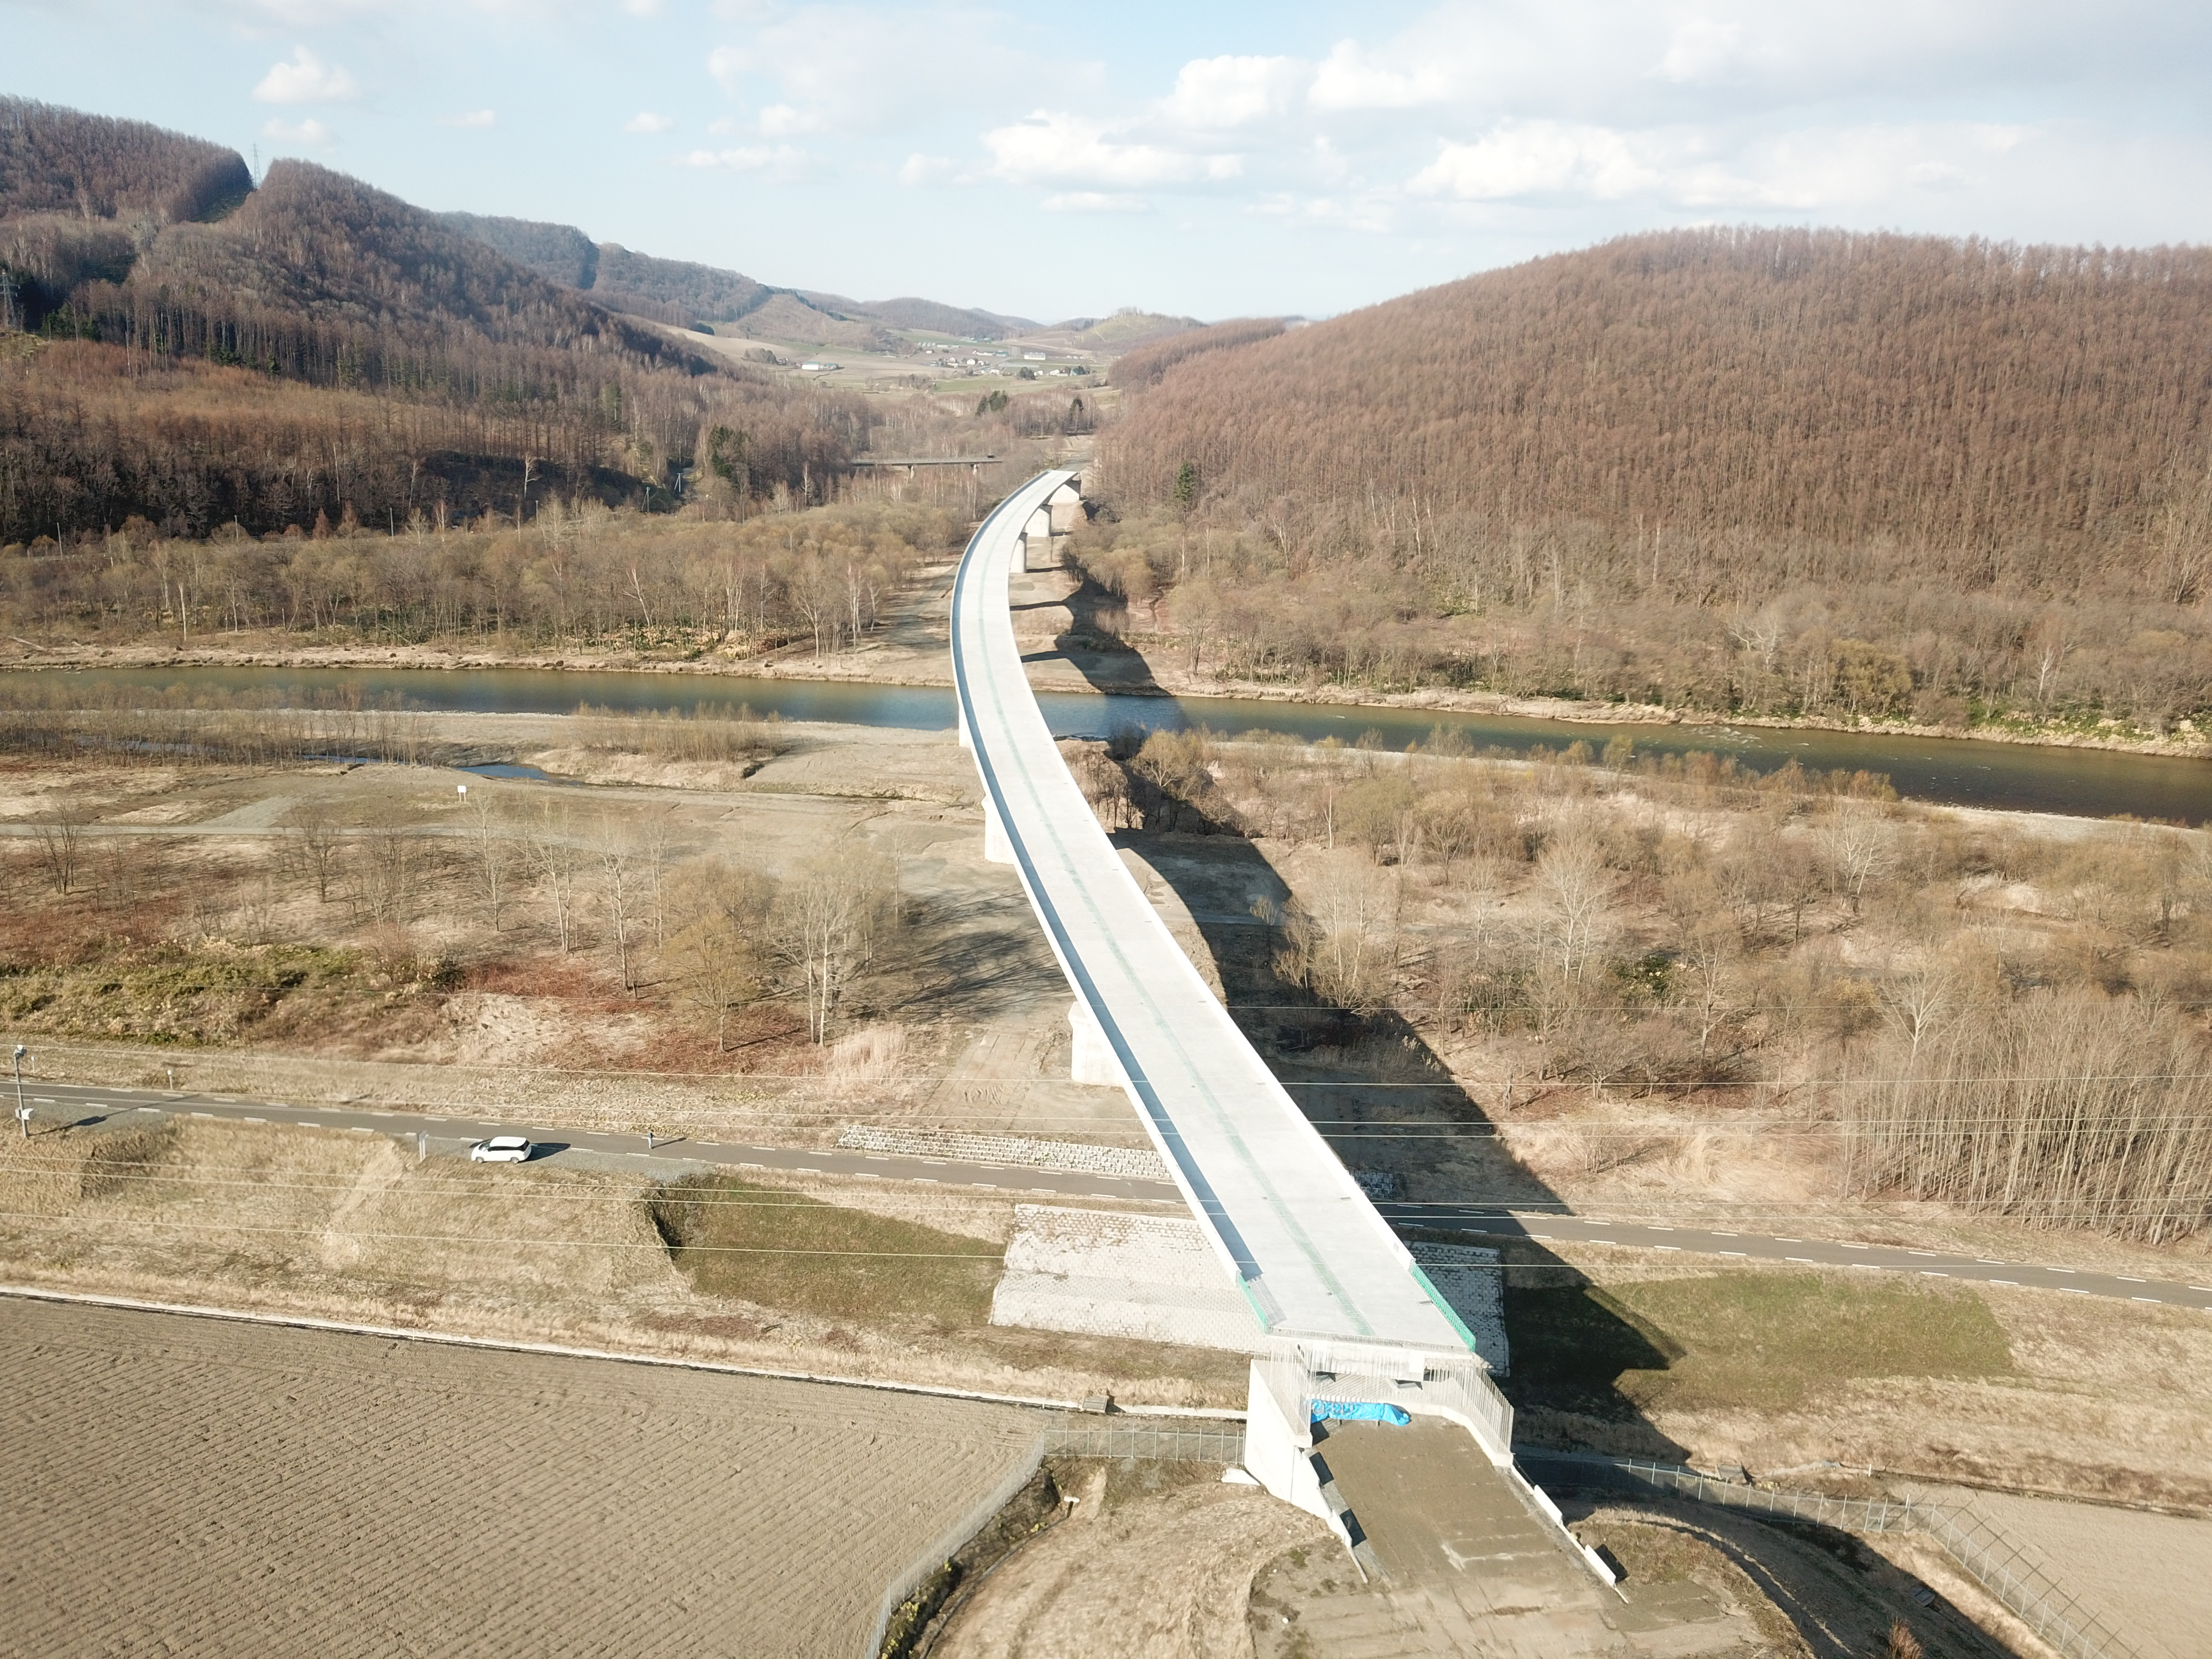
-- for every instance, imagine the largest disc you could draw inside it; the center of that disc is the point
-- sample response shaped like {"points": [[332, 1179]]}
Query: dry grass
{"points": [[1754, 1341], [2081, 1396], [350, 1227], [737, 1240]]}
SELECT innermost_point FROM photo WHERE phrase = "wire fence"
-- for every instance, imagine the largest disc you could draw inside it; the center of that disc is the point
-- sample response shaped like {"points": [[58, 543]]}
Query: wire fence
{"points": [[948, 1543], [1066, 1437], [1167, 1444], [2003, 1568]]}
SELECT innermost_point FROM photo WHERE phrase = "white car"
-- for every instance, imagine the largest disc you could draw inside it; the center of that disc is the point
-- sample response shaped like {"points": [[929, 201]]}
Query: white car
{"points": [[501, 1149]]}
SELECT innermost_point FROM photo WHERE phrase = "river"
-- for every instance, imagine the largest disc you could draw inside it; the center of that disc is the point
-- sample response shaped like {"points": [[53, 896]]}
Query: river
{"points": [[2022, 777]]}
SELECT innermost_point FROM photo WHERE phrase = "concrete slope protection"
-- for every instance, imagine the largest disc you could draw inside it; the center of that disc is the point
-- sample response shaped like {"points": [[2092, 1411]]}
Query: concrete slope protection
{"points": [[1312, 1254]]}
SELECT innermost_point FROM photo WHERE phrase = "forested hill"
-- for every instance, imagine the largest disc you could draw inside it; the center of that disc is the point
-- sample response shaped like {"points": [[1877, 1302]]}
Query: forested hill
{"points": [[202, 352], [1602, 462], [681, 292]]}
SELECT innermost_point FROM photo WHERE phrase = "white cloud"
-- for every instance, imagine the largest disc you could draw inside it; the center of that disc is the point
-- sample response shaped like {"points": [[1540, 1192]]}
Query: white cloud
{"points": [[1229, 92], [1056, 148], [777, 162], [644, 7], [646, 121], [311, 134], [1538, 158], [306, 79], [858, 68], [787, 121], [475, 117], [1093, 201], [1703, 50], [919, 169], [1350, 78]]}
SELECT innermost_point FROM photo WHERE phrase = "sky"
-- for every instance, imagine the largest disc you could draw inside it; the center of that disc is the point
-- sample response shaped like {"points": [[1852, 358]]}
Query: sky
{"points": [[1213, 159]]}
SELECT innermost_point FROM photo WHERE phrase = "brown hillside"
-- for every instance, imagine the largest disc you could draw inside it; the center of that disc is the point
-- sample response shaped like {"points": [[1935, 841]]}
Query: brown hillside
{"points": [[488, 381], [2029, 407], [1795, 473]]}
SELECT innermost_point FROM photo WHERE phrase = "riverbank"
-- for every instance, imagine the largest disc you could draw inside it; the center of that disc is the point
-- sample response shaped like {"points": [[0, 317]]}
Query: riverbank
{"points": [[898, 659]]}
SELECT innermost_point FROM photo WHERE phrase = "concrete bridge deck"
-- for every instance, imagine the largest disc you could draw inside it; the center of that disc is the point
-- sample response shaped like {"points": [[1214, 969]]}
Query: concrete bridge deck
{"points": [[1311, 1253]]}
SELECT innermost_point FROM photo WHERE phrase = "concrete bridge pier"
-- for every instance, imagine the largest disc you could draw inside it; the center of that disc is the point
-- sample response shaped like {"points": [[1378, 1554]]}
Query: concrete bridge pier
{"points": [[997, 849], [1093, 1059]]}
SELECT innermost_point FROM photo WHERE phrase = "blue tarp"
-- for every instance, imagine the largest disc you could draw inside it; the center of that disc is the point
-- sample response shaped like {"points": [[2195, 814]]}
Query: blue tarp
{"points": [[1359, 1411]]}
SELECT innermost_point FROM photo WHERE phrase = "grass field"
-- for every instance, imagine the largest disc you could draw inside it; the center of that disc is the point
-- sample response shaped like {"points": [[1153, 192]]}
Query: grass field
{"points": [[1765, 1342], [783, 1249]]}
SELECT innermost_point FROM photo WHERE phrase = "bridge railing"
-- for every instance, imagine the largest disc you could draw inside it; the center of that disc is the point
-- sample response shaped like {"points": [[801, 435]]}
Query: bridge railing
{"points": [[2007, 1570]]}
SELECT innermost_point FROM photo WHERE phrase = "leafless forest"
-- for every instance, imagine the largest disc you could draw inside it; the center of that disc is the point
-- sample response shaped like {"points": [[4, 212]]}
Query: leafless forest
{"points": [[216, 353], [571, 575], [1636, 964], [1777, 472]]}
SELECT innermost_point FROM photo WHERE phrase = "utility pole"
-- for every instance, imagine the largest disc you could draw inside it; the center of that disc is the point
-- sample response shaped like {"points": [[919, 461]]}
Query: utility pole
{"points": [[22, 1112]]}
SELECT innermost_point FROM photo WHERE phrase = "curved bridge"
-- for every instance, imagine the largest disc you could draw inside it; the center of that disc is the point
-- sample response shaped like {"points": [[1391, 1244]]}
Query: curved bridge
{"points": [[1312, 1255]]}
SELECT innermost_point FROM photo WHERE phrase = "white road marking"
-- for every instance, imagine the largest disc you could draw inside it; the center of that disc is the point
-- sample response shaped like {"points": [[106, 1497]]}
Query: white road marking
{"points": [[2015, 1283], [206, 1115], [1666, 1247], [1933, 1272], [2075, 1289], [306, 1123], [2058, 1270], [1786, 1240], [1731, 1252], [2146, 1298], [2128, 1278], [253, 1120]]}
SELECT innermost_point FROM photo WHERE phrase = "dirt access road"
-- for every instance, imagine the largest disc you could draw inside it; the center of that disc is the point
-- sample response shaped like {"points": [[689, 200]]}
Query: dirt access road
{"points": [[186, 1487]]}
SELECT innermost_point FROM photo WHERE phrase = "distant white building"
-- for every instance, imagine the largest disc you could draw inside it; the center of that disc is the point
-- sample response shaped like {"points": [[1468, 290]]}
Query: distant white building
{"points": [[1033, 357]]}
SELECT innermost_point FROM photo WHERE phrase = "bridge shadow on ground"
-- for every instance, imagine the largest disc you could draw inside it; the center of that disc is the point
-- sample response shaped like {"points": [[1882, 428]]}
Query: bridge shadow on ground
{"points": [[1091, 644], [1389, 1106]]}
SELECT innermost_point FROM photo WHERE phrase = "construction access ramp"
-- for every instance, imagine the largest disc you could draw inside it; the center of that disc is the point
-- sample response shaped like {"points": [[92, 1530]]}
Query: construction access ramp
{"points": [[1456, 1562]]}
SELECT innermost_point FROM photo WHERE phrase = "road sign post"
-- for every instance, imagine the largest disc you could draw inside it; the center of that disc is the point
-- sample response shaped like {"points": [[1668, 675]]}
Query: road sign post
{"points": [[22, 1112]]}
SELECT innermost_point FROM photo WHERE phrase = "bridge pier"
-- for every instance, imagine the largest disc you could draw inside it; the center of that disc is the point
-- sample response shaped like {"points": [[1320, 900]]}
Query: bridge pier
{"points": [[1093, 1059], [997, 849]]}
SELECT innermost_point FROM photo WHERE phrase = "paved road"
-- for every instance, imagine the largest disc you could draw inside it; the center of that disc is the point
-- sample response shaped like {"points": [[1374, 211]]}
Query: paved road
{"points": [[1813, 1252], [56, 1103]]}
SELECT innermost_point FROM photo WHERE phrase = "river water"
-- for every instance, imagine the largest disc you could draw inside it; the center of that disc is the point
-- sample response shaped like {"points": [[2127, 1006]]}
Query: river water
{"points": [[2090, 782]]}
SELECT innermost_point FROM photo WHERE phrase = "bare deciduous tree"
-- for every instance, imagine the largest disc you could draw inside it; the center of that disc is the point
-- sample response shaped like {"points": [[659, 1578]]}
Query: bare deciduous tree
{"points": [[315, 839], [829, 915]]}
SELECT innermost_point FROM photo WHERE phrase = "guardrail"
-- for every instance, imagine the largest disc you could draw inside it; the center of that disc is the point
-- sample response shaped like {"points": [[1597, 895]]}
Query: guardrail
{"points": [[2007, 1570]]}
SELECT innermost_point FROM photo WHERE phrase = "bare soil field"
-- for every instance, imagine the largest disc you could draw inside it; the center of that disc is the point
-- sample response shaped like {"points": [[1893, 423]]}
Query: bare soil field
{"points": [[1136, 1574], [2154, 1569], [186, 1487]]}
